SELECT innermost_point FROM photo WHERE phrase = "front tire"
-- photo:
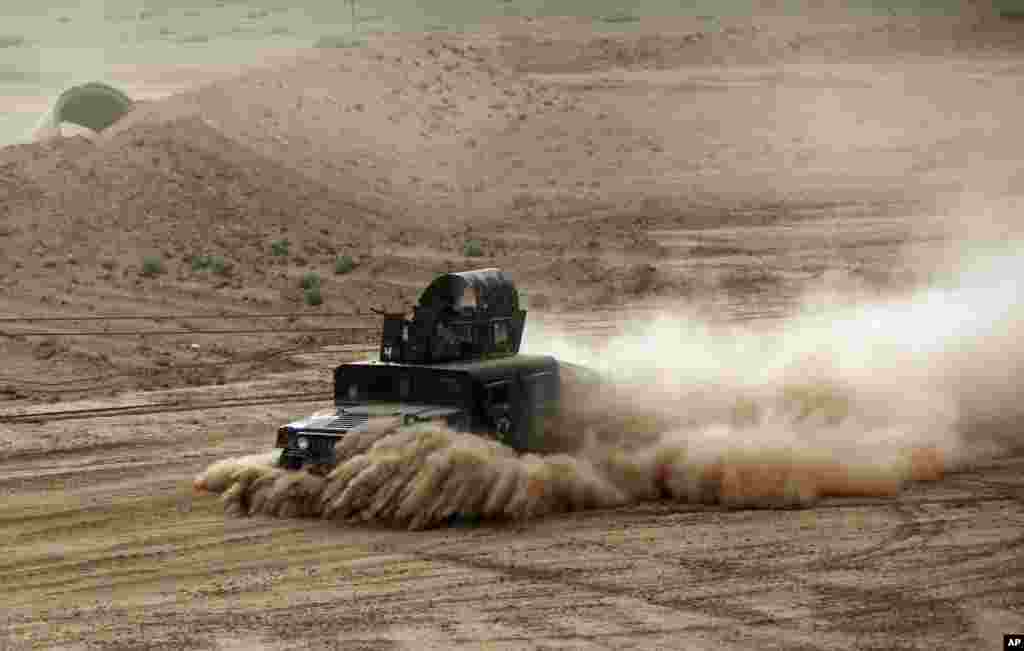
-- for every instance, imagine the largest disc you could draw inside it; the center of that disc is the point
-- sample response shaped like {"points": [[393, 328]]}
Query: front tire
{"points": [[290, 463]]}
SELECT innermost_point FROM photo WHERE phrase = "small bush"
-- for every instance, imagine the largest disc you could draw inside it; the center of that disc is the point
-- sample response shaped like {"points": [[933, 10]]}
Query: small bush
{"points": [[194, 38], [279, 30], [344, 264], [311, 280], [219, 265], [620, 17], [472, 249], [214, 263], [11, 41], [258, 13], [200, 262], [337, 41], [279, 248], [312, 295], [152, 265]]}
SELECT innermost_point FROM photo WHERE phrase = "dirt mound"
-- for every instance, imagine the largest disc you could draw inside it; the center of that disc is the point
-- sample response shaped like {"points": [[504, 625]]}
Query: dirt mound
{"points": [[177, 187]]}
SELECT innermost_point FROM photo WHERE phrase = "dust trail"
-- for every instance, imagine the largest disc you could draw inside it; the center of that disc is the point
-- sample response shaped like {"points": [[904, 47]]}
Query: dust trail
{"points": [[423, 476], [416, 477], [937, 369], [219, 476], [850, 400]]}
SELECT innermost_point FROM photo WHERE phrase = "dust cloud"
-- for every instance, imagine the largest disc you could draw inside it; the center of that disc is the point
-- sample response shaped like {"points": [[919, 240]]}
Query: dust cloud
{"points": [[846, 398]]}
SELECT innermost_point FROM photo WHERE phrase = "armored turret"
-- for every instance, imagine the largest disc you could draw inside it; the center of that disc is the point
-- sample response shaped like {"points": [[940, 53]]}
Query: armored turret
{"points": [[465, 316]]}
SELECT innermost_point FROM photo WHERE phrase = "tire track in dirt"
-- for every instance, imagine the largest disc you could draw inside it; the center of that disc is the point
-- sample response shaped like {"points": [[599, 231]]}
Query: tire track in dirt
{"points": [[649, 575], [543, 576], [908, 528]]}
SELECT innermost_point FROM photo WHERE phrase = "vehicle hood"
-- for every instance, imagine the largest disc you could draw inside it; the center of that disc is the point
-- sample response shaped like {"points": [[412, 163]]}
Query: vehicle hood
{"points": [[351, 418]]}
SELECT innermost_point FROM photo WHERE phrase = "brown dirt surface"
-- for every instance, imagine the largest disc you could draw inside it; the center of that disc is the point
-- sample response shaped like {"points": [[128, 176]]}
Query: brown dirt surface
{"points": [[611, 173]]}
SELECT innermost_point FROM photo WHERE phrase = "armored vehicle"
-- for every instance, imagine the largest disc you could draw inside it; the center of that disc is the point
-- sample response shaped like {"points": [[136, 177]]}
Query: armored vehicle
{"points": [[455, 361]]}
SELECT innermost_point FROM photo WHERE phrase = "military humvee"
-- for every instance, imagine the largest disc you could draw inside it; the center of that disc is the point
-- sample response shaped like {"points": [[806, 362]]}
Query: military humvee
{"points": [[456, 361]]}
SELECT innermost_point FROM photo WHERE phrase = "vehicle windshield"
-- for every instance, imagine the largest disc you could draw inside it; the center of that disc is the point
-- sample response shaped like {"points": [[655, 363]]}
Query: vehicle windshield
{"points": [[389, 384]]}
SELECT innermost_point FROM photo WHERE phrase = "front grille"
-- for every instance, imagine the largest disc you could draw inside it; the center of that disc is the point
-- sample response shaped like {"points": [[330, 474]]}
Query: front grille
{"points": [[318, 445], [347, 421]]}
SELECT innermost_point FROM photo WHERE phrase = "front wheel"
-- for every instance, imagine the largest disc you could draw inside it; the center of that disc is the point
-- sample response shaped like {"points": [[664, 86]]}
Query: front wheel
{"points": [[290, 463], [509, 433]]}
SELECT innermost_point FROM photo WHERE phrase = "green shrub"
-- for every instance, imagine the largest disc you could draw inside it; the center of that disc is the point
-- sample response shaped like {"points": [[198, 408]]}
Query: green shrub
{"points": [[472, 249], [214, 263], [11, 41], [337, 41], [279, 248], [219, 265], [200, 262], [311, 280], [194, 38], [312, 295], [620, 17], [344, 264], [152, 265]]}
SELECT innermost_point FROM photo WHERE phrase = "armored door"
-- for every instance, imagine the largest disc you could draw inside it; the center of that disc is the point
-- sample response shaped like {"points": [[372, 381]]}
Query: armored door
{"points": [[504, 411]]}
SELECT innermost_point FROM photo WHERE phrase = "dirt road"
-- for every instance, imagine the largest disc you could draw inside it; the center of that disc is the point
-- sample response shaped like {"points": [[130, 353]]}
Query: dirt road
{"points": [[106, 547]]}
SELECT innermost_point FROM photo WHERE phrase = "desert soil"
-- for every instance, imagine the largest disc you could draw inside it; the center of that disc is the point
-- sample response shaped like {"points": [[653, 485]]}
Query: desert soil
{"points": [[610, 173]]}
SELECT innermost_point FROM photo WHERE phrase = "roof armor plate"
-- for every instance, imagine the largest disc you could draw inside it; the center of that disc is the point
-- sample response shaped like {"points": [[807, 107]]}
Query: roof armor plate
{"points": [[463, 316]]}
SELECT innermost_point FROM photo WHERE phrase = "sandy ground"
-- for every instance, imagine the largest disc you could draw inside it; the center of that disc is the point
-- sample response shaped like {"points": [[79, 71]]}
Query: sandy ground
{"points": [[107, 548], [610, 174]]}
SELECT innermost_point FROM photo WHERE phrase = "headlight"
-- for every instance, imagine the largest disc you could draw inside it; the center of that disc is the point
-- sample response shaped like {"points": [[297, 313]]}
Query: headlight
{"points": [[303, 443]]}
